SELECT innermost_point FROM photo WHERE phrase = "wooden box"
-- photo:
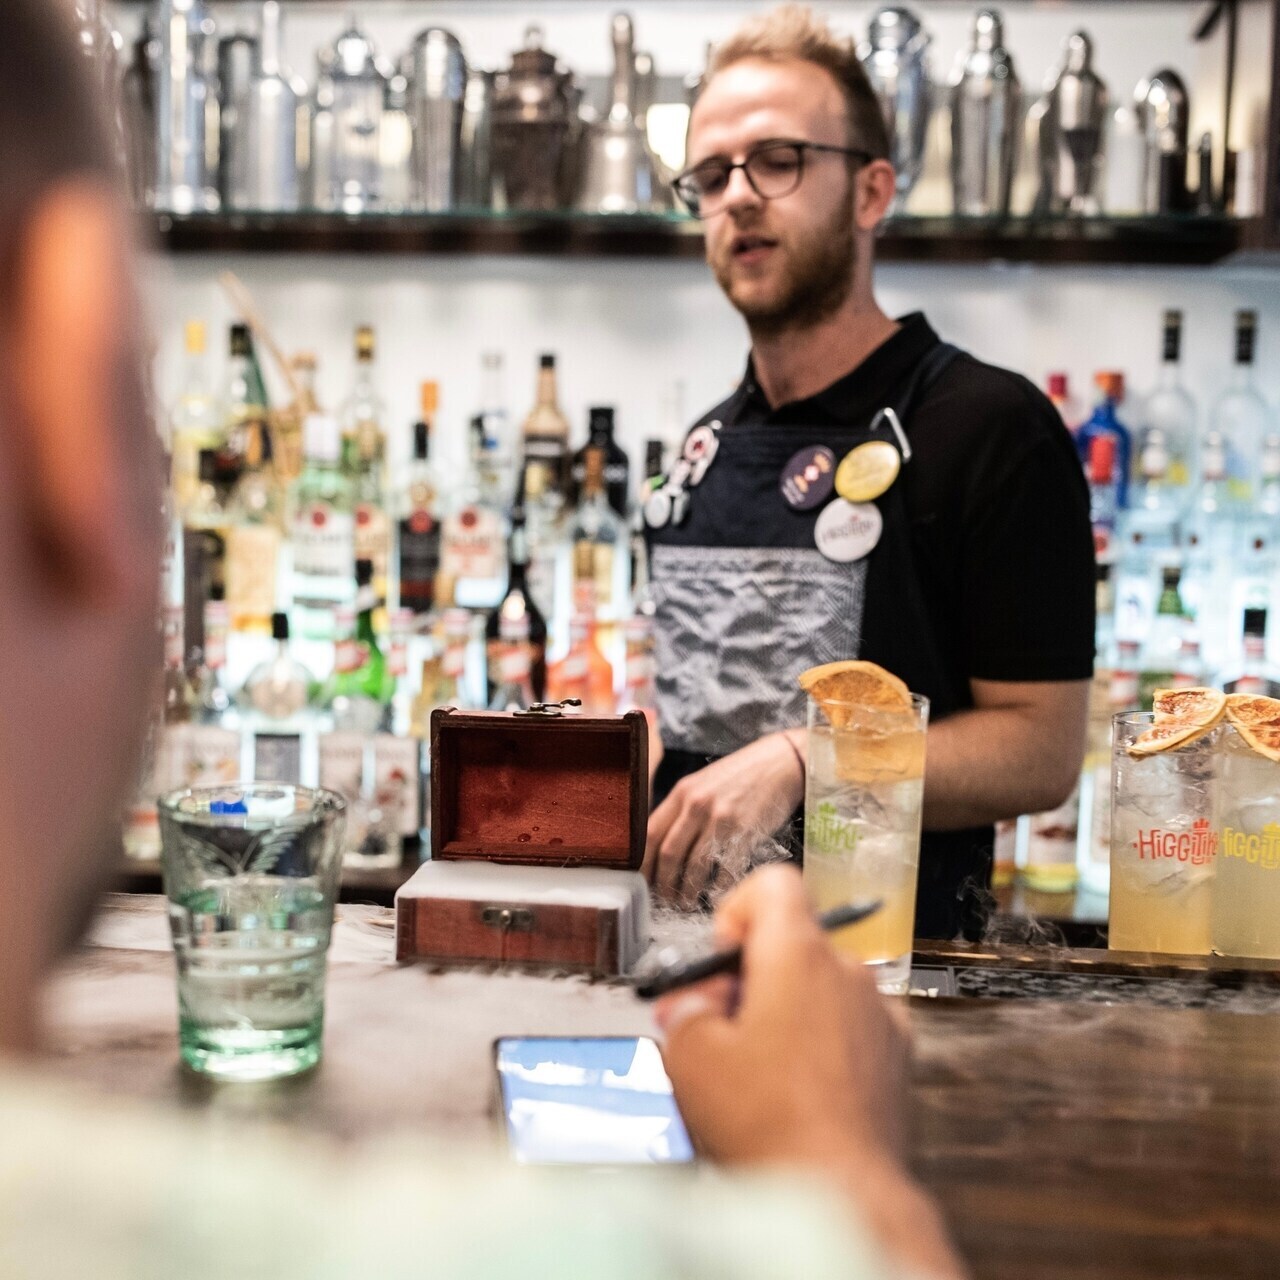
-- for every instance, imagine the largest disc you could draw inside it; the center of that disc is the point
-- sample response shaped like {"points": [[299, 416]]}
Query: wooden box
{"points": [[578, 919], [539, 789]]}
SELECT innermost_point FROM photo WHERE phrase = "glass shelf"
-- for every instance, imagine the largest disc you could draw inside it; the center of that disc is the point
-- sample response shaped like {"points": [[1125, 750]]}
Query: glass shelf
{"points": [[1178, 240]]}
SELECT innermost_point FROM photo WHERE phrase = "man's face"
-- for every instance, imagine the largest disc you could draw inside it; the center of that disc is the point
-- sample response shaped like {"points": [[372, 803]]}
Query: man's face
{"points": [[787, 262]]}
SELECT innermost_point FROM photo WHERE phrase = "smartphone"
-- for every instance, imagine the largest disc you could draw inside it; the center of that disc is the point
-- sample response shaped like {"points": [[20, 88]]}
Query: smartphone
{"points": [[597, 1101]]}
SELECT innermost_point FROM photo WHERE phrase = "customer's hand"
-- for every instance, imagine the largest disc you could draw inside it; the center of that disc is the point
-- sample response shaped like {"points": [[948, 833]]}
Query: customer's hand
{"points": [[799, 1063], [712, 819]]}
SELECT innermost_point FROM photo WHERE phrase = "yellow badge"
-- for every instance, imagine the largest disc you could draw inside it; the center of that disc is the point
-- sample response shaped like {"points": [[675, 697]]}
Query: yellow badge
{"points": [[867, 471]]}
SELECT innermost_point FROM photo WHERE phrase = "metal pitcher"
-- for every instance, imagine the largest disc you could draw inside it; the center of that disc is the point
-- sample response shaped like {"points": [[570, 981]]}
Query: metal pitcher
{"points": [[620, 173], [1071, 133], [534, 122], [439, 79], [986, 122], [895, 60], [1164, 111]]}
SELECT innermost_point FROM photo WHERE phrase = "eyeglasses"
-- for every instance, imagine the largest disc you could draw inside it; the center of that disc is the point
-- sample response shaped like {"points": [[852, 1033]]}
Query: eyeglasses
{"points": [[773, 169]]}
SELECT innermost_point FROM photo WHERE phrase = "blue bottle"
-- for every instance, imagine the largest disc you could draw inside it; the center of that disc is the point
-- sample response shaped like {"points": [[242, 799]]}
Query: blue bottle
{"points": [[1103, 422]]}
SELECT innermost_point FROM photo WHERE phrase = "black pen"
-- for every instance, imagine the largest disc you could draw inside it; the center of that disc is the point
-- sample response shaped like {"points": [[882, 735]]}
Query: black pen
{"points": [[686, 972]]}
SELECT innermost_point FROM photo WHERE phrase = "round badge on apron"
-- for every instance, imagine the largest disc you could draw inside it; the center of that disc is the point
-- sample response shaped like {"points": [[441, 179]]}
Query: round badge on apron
{"points": [[867, 471], [657, 509], [847, 531], [807, 480]]}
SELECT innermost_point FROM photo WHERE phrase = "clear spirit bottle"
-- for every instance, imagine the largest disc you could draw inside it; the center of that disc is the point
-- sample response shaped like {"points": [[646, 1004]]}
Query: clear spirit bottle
{"points": [[1242, 417], [1170, 409], [323, 531]]}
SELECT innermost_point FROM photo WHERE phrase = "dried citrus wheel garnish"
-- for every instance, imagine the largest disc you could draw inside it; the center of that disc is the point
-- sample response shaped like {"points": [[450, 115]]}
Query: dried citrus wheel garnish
{"points": [[859, 684], [1257, 720], [1181, 716]]}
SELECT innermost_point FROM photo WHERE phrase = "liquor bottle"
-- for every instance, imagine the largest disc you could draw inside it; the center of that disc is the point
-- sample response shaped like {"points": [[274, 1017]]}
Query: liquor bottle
{"points": [[209, 696], [206, 527], [359, 692], [518, 602], [1105, 422], [323, 530], [654, 466], [471, 543], [1164, 643], [1061, 398], [195, 422], [364, 444], [1104, 501], [584, 672], [513, 690], [444, 679], [1052, 848], [600, 551], [617, 466], [1148, 534], [277, 691], [287, 423], [244, 396], [1267, 507], [1170, 408], [1241, 416], [1189, 669], [638, 693], [545, 434], [547, 575], [497, 453], [400, 631], [1253, 675], [1208, 542], [253, 538], [177, 700], [418, 526]]}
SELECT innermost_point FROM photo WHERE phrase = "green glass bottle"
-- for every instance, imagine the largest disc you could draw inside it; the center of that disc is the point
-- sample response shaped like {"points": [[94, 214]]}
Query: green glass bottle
{"points": [[361, 688]]}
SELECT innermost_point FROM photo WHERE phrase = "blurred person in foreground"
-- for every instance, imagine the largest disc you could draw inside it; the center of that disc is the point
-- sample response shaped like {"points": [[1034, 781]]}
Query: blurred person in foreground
{"points": [[792, 1078]]}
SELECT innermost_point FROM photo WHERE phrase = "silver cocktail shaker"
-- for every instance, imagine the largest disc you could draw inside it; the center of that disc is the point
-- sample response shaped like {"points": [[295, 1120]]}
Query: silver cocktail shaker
{"points": [[184, 180], [475, 186], [437, 100], [1071, 133], [1164, 112], [346, 126], [894, 58], [237, 64], [986, 122]]}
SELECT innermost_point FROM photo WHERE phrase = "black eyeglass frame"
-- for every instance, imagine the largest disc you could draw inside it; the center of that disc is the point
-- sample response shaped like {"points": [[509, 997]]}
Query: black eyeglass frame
{"points": [[800, 146]]}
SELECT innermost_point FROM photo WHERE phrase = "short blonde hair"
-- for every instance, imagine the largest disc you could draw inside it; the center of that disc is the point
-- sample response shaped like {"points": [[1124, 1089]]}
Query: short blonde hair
{"points": [[794, 31]]}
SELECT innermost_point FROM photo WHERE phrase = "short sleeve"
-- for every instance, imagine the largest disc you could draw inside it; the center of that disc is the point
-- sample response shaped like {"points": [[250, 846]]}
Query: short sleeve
{"points": [[1028, 572]]}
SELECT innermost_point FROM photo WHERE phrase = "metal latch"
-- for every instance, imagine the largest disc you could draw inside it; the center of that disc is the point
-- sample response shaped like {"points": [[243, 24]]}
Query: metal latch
{"points": [[508, 919], [550, 709]]}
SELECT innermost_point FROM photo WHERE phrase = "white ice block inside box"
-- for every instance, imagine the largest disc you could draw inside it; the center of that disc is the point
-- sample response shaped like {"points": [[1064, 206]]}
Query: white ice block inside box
{"points": [[581, 919]]}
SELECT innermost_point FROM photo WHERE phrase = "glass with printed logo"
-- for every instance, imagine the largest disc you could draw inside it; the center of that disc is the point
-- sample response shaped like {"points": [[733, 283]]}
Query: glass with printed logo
{"points": [[863, 793], [1163, 841], [1246, 820]]}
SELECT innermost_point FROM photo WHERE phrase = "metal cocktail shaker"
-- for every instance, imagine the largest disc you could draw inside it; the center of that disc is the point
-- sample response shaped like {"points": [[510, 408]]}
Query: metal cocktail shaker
{"points": [[184, 179], [237, 63], [264, 158], [437, 100], [894, 58], [346, 126], [1071, 127], [475, 184], [620, 174], [1164, 111], [986, 121]]}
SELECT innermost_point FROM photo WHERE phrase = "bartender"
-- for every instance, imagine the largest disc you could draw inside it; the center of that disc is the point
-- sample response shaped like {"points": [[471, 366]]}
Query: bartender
{"points": [[867, 491]]}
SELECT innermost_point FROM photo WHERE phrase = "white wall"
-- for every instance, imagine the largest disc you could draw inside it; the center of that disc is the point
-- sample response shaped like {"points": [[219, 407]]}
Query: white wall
{"points": [[625, 331]]}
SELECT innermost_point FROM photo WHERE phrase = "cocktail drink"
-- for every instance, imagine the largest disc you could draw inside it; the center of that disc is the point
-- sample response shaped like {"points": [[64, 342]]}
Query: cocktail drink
{"points": [[1246, 886], [863, 800], [1163, 842], [251, 874]]}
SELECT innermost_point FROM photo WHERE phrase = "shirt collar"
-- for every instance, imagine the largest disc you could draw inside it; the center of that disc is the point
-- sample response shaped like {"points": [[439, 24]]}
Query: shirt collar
{"points": [[850, 397]]}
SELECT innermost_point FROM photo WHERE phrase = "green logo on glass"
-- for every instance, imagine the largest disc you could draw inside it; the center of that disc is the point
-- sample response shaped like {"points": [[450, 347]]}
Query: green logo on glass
{"points": [[826, 832]]}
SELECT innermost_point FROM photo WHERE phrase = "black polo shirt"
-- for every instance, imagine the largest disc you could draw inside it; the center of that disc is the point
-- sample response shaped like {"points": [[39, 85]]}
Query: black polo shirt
{"points": [[999, 539]]}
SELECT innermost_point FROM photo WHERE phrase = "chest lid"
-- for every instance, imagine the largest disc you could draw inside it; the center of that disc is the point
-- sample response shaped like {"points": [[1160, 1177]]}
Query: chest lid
{"points": [[539, 790]]}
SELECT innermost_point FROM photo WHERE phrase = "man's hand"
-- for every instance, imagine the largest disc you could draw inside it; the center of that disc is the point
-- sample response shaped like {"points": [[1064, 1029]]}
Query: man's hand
{"points": [[800, 1063], [712, 815]]}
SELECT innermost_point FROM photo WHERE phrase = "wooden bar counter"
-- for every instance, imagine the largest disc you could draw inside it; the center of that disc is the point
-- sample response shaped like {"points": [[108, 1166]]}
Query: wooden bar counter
{"points": [[1070, 1132]]}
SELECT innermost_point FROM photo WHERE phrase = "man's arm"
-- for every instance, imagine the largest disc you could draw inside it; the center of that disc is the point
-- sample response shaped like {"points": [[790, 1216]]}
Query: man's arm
{"points": [[1017, 751]]}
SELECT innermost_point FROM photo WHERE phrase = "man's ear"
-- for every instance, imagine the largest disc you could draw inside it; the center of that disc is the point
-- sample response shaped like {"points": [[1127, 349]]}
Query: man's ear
{"points": [[68, 325], [873, 192]]}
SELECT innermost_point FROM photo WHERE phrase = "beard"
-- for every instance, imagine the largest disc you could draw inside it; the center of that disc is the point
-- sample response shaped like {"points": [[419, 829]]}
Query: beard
{"points": [[816, 279]]}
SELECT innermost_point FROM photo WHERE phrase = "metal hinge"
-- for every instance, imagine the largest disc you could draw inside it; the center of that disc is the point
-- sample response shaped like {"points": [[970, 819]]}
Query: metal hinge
{"points": [[551, 708]]}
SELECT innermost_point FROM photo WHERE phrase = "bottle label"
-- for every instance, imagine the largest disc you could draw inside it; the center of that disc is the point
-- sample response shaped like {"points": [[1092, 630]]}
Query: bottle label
{"points": [[454, 662], [1052, 837], [173, 649], [472, 545], [252, 552], [574, 668], [323, 541], [373, 537], [419, 560], [397, 780], [593, 562], [1252, 686], [640, 670], [212, 755], [1124, 689], [513, 664], [215, 635], [349, 655], [342, 764], [398, 658], [277, 757]]}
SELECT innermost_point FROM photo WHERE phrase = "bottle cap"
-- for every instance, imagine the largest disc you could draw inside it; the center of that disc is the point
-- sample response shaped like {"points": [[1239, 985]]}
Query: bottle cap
{"points": [[1170, 575], [241, 343], [1058, 385], [546, 361], [364, 343], [207, 466], [600, 421], [1111, 383], [195, 337], [457, 622], [321, 438], [364, 573], [1255, 623], [279, 626], [430, 399], [421, 441]]}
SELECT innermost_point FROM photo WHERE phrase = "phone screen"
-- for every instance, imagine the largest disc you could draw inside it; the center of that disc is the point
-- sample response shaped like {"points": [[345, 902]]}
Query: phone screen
{"points": [[589, 1101]]}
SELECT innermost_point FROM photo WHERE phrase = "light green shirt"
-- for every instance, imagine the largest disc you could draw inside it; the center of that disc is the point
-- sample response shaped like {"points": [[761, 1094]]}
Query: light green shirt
{"points": [[91, 1190]]}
